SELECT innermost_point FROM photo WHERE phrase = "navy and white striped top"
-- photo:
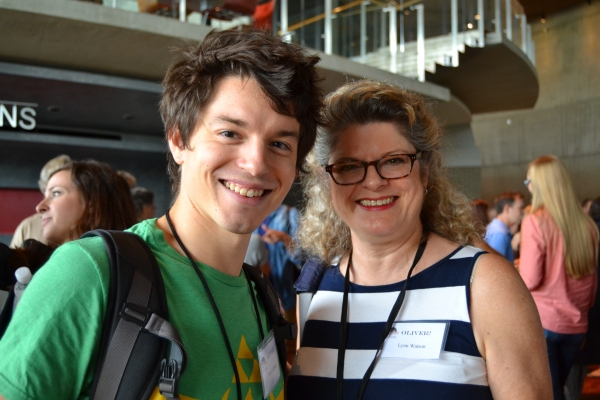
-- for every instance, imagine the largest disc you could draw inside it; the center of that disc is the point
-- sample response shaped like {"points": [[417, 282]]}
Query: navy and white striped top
{"points": [[439, 293]]}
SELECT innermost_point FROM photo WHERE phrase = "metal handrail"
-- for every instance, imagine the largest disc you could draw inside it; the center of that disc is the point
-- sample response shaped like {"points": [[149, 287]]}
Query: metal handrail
{"points": [[345, 7]]}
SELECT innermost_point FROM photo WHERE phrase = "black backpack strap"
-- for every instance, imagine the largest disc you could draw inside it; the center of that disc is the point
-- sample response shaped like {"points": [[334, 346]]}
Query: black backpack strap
{"points": [[282, 329], [306, 286], [6, 312], [131, 358]]}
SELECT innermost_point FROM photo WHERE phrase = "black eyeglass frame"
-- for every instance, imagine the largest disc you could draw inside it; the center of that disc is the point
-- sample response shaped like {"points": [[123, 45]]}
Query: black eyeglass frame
{"points": [[367, 164]]}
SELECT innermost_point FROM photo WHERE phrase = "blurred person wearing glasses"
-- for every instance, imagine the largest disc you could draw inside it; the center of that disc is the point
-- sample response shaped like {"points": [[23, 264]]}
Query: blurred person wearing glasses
{"points": [[406, 307], [559, 255]]}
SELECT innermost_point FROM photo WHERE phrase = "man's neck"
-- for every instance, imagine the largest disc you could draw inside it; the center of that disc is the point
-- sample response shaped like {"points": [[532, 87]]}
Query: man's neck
{"points": [[504, 219], [215, 247]]}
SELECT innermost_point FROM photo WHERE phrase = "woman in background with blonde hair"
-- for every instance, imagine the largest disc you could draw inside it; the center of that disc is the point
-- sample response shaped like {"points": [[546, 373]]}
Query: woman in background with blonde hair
{"points": [[559, 253]]}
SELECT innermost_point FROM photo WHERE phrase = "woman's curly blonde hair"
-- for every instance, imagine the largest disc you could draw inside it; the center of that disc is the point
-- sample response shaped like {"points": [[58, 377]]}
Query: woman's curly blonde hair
{"points": [[445, 211]]}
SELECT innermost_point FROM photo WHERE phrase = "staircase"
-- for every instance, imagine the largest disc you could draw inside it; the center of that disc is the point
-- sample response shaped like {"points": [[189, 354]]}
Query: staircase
{"points": [[438, 50]]}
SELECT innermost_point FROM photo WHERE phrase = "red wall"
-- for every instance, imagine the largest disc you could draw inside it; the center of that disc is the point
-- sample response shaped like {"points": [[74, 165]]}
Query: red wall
{"points": [[15, 205]]}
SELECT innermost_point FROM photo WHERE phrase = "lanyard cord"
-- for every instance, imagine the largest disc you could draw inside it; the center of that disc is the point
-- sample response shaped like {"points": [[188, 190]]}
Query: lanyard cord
{"points": [[384, 334], [215, 308], [260, 327]]}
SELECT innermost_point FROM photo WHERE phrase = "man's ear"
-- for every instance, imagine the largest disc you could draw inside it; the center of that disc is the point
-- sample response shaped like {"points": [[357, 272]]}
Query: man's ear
{"points": [[176, 145], [506, 208]]}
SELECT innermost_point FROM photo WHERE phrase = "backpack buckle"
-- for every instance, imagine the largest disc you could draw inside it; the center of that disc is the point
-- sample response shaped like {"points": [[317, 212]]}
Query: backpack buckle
{"points": [[134, 313], [167, 383], [285, 329]]}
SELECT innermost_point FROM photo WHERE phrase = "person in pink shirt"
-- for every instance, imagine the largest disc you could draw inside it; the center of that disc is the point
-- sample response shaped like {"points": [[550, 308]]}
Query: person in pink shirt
{"points": [[559, 253]]}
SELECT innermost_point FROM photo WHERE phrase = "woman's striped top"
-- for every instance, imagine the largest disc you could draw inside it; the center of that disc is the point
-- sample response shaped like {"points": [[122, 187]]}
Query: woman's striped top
{"points": [[439, 293]]}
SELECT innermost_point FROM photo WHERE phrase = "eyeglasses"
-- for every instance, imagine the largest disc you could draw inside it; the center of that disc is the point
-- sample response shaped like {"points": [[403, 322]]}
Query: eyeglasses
{"points": [[527, 182], [394, 166]]}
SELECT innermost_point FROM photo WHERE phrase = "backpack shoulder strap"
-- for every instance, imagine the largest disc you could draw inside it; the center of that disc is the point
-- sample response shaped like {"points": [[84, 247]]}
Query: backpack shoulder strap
{"points": [[132, 353], [306, 286], [282, 329], [6, 312]]}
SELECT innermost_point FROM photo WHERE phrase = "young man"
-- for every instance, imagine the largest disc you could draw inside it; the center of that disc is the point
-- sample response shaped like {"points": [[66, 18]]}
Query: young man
{"points": [[240, 113], [510, 207]]}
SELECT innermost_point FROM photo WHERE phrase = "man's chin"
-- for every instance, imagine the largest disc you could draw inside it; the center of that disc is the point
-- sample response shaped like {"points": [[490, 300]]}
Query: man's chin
{"points": [[243, 228]]}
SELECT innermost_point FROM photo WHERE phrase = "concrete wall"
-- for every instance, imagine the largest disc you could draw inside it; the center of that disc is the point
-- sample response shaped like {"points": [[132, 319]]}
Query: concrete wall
{"points": [[566, 119], [462, 159]]}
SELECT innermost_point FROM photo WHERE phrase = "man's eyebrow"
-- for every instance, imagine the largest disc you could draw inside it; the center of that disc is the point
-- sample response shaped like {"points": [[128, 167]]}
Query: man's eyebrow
{"points": [[292, 134], [231, 120]]}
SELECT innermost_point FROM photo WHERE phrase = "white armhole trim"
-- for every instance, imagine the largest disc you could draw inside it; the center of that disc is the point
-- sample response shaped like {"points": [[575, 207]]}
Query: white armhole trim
{"points": [[474, 268]]}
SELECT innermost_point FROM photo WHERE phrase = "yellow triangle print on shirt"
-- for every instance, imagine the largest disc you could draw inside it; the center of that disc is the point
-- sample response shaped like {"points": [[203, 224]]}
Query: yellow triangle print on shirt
{"points": [[246, 359], [157, 396], [280, 397], [244, 350]]}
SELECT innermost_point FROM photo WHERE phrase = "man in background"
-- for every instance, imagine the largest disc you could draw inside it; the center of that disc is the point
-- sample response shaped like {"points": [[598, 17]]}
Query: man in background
{"points": [[510, 207], [143, 199]]}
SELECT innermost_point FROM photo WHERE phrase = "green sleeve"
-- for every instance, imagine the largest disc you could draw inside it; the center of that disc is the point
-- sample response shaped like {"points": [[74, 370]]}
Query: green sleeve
{"points": [[50, 348]]}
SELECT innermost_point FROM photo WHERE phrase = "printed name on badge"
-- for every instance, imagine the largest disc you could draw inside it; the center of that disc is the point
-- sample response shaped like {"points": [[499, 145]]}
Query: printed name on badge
{"points": [[416, 340], [268, 361]]}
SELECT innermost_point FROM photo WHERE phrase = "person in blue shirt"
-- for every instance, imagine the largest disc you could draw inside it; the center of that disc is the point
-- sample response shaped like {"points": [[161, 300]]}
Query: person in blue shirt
{"points": [[277, 232], [510, 207]]}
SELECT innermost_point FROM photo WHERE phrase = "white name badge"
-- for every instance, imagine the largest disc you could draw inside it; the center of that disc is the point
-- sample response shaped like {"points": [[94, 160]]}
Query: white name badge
{"points": [[268, 361], [417, 340]]}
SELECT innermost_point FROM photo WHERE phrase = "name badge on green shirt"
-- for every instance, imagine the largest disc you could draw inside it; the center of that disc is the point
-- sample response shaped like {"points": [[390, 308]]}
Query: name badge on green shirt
{"points": [[268, 360]]}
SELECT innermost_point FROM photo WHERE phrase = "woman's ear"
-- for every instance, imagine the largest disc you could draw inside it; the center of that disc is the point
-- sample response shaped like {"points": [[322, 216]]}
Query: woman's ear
{"points": [[176, 145]]}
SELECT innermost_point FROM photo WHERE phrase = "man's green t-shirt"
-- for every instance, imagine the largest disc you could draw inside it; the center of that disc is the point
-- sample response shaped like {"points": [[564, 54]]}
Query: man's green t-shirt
{"points": [[51, 346]]}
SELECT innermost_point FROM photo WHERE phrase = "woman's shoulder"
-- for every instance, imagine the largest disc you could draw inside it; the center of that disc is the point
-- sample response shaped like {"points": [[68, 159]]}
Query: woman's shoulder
{"points": [[439, 248], [537, 215]]}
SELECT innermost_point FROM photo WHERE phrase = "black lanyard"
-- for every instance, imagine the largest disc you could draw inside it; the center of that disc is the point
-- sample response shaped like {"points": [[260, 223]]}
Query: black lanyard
{"points": [[384, 334], [216, 309]]}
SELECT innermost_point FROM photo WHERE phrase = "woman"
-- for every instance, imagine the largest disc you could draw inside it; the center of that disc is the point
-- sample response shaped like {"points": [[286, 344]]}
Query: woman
{"points": [[559, 252], [82, 196], [378, 201], [79, 197]]}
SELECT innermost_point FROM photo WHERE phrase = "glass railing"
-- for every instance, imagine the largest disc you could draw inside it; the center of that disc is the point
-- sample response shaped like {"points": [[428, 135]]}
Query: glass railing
{"points": [[407, 37]]}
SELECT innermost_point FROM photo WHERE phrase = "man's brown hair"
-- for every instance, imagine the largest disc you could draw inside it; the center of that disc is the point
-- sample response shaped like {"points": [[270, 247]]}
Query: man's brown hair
{"points": [[506, 198], [287, 76]]}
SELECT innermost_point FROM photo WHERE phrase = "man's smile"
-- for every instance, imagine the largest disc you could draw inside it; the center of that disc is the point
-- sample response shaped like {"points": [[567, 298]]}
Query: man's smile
{"points": [[244, 191]]}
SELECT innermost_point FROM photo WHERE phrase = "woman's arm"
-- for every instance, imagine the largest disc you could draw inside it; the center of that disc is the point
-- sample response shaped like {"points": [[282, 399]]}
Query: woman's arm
{"points": [[508, 332]]}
